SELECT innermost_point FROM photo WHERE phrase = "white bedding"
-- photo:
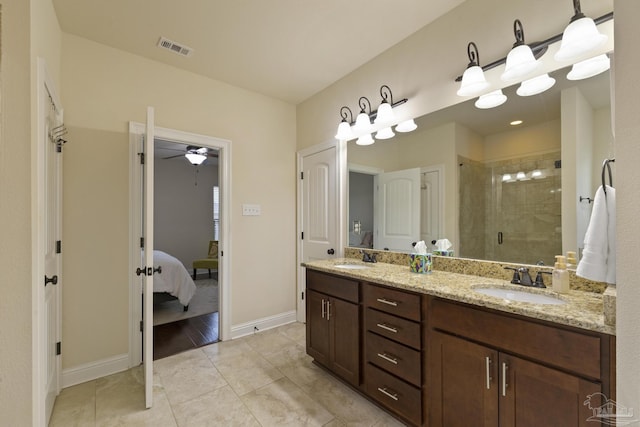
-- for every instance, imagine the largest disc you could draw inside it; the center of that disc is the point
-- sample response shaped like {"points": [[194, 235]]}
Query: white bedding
{"points": [[174, 279]]}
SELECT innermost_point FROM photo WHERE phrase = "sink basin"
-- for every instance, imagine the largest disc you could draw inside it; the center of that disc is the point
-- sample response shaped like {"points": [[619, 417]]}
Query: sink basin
{"points": [[352, 266], [520, 296]]}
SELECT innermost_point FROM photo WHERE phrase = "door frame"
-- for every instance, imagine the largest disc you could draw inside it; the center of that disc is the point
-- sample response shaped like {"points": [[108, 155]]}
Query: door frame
{"points": [[45, 90], [341, 182], [136, 130]]}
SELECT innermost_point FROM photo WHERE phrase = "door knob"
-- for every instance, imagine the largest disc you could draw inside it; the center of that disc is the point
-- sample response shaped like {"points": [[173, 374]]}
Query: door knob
{"points": [[53, 280], [140, 271], [331, 251], [158, 269]]}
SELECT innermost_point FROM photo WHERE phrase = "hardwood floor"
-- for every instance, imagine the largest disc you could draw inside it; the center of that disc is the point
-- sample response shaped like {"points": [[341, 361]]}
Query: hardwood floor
{"points": [[176, 337]]}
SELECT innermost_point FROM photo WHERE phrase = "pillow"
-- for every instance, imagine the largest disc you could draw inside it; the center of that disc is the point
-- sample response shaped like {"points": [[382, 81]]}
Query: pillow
{"points": [[213, 250]]}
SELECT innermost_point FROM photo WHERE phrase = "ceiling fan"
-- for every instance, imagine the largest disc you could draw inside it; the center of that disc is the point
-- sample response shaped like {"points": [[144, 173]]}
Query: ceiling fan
{"points": [[195, 155]]}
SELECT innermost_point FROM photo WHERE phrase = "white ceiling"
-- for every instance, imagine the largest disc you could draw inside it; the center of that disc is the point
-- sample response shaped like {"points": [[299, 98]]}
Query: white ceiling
{"points": [[287, 49]]}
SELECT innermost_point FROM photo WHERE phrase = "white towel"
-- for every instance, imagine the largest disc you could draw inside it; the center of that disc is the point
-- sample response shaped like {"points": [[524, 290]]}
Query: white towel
{"points": [[599, 255]]}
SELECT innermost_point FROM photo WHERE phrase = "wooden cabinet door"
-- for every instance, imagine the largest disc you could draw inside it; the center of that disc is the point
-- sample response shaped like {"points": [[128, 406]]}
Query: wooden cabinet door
{"points": [[462, 387], [344, 320], [534, 395], [317, 327]]}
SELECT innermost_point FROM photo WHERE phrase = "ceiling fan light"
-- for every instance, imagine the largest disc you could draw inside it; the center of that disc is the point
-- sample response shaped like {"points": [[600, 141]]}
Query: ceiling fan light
{"points": [[365, 139], [473, 81], [536, 85], [491, 100], [385, 133], [589, 67], [344, 131], [406, 126], [195, 158], [580, 38], [520, 63], [385, 115]]}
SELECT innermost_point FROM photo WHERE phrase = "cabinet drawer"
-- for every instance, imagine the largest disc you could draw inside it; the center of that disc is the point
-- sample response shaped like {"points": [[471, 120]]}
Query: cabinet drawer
{"points": [[335, 286], [569, 350], [399, 303], [397, 395], [395, 328], [402, 361]]}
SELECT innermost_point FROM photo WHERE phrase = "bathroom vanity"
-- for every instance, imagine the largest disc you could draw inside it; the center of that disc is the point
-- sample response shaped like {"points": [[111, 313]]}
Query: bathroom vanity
{"points": [[434, 351]]}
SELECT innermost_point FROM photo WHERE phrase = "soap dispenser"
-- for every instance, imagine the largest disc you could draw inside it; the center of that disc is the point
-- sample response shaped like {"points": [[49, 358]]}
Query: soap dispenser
{"points": [[572, 262], [560, 276]]}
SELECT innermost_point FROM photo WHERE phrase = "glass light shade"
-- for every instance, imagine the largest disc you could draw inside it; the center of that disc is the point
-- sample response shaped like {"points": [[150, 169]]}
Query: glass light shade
{"points": [[491, 99], [385, 133], [344, 131], [537, 174], [363, 123], [580, 38], [521, 176], [473, 82], [506, 177], [589, 68], [406, 126], [385, 115], [365, 139], [195, 158], [535, 85], [520, 63]]}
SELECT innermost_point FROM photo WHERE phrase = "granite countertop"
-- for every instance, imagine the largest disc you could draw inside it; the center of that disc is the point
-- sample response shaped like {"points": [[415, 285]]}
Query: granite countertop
{"points": [[582, 309]]}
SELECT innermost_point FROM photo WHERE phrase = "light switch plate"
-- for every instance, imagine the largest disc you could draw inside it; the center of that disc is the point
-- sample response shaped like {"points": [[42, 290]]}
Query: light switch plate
{"points": [[250, 210]]}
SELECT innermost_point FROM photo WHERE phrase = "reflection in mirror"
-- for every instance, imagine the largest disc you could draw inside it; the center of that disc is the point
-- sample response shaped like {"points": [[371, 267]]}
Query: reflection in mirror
{"points": [[505, 193]]}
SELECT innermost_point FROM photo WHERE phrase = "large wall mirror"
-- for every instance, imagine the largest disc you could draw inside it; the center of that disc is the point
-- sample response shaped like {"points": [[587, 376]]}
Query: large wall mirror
{"points": [[496, 191]]}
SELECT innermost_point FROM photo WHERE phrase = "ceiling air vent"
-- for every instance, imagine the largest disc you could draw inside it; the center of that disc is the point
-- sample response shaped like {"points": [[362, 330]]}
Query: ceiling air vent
{"points": [[174, 47]]}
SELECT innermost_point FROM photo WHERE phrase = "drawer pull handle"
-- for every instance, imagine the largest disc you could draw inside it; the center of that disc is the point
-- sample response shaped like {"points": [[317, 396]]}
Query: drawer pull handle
{"points": [[387, 328], [504, 379], [323, 308], [384, 391], [386, 301], [388, 358], [488, 365]]}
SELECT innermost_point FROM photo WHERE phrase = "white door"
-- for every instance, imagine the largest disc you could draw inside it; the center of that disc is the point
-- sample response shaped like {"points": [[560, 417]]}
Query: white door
{"points": [[319, 206], [147, 260], [430, 206], [397, 210], [52, 253]]}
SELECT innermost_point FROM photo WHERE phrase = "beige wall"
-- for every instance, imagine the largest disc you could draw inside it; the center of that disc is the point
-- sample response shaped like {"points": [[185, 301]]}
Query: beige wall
{"points": [[627, 151], [103, 89]]}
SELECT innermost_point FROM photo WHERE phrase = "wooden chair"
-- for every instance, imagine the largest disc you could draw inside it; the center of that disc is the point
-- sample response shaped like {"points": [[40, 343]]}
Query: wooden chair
{"points": [[210, 262]]}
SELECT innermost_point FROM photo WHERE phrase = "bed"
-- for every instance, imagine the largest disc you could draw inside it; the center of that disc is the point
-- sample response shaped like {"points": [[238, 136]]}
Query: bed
{"points": [[174, 282]]}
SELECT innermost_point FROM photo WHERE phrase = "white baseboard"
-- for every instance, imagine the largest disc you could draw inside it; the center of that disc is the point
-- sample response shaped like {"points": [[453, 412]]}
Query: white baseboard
{"points": [[263, 324], [93, 370]]}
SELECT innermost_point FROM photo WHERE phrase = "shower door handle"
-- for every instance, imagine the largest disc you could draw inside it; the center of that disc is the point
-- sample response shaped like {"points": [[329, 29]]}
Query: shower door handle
{"points": [[500, 239]]}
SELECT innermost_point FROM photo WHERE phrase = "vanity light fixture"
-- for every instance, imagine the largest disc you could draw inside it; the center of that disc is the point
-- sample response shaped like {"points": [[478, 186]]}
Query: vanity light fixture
{"points": [[344, 128], [506, 177], [473, 80], [365, 139], [406, 126], [520, 60], [385, 114], [491, 100], [385, 133], [589, 67], [580, 38], [363, 121], [535, 85], [536, 174]]}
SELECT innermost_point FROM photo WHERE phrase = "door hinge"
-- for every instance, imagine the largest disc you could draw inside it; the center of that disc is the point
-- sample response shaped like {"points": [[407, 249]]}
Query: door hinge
{"points": [[58, 246], [221, 253], [141, 158], [58, 348], [142, 243], [302, 236], [302, 296], [141, 326], [301, 175]]}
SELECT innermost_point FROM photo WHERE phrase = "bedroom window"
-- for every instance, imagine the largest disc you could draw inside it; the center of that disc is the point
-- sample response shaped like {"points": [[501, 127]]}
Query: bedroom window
{"points": [[216, 213]]}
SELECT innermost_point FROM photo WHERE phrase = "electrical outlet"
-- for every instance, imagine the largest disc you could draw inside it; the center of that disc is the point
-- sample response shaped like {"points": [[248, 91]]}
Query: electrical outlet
{"points": [[250, 210]]}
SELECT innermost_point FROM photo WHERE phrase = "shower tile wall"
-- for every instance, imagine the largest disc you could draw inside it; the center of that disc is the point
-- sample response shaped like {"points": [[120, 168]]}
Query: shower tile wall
{"points": [[526, 212]]}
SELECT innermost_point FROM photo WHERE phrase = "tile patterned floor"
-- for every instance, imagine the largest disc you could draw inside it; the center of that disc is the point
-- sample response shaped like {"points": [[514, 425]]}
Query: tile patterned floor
{"points": [[265, 379]]}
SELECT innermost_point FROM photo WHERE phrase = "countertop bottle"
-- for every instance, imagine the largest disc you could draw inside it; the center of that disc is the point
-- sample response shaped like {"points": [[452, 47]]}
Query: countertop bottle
{"points": [[560, 276], [572, 262]]}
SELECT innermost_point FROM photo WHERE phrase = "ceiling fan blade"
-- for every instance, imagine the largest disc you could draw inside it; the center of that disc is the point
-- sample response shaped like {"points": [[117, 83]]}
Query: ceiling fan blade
{"points": [[173, 157]]}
